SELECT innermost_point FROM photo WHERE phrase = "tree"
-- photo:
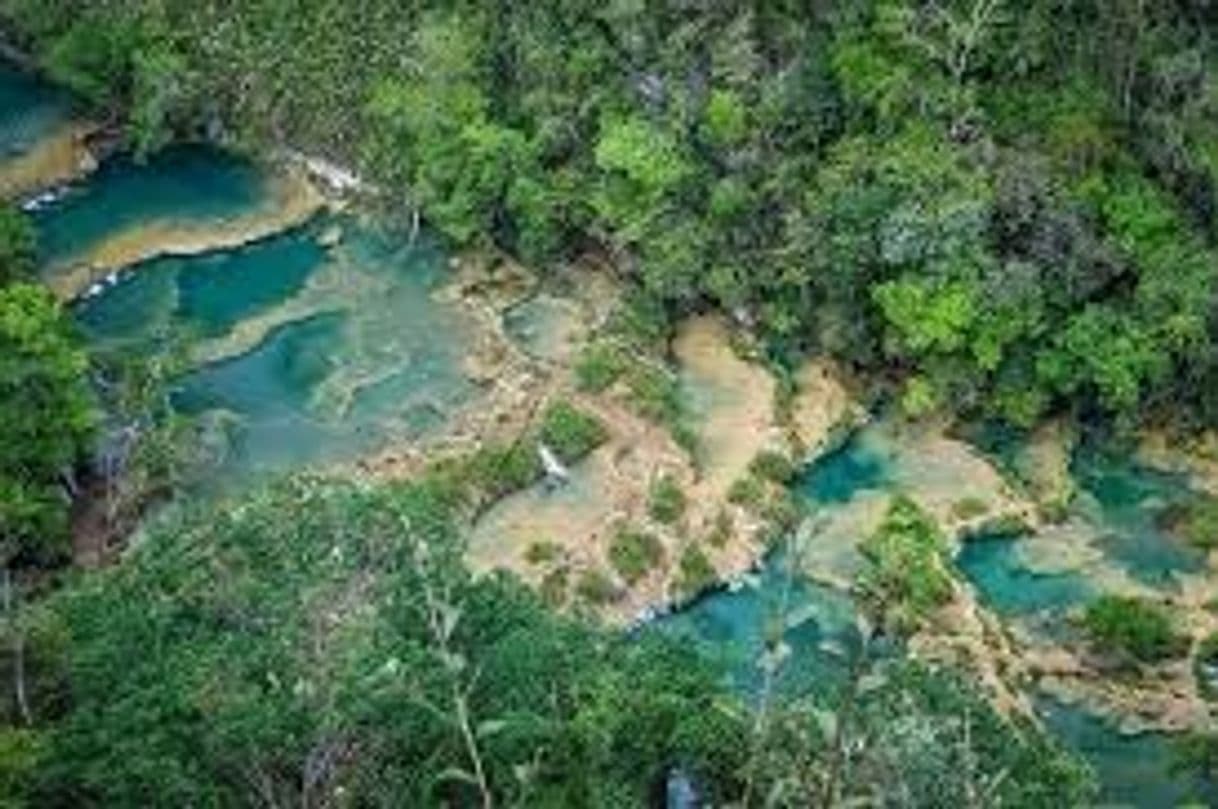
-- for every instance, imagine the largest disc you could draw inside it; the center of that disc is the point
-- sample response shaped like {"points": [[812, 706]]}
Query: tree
{"points": [[16, 246], [46, 419]]}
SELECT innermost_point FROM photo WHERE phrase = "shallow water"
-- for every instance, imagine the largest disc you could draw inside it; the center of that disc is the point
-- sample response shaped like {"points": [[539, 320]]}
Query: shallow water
{"points": [[1132, 770], [311, 354], [29, 111], [1124, 500], [858, 465], [380, 364], [1006, 584], [185, 184], [814, 626], [205, 296]]}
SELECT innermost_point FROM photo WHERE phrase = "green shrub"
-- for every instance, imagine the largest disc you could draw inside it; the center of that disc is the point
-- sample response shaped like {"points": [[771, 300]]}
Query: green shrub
{"points": [[695, 571], [598, 367], [655, 394], [554, 586], [570, 432], [496, 471], [1195, 522], [721, 532], [666, 502], [772, 466], [542, 552], [595, 587], [969, 508], [781, 511], [634, 553], [748, 492], [1132, 626], [905, 576]]}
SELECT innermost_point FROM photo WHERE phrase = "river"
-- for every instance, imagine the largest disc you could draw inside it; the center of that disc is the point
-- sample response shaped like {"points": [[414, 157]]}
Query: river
{"points": [[324, 342]]}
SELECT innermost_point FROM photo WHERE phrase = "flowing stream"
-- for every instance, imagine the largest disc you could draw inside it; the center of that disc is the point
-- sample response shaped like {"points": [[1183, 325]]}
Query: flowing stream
{"points": [[325, 342]]}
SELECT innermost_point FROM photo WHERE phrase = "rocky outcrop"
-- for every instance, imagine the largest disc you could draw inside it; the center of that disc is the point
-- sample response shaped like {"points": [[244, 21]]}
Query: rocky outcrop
{"points": [[61, 158]]}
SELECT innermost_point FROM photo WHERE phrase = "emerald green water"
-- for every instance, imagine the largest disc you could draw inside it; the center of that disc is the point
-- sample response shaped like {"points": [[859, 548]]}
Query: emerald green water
{"points": [[811, 627], [29, 111], [858, 465], [382, 366], [1006, 584], [1126, 500], [205, 296], [346, 350], [1132, 770], [185, 184]]}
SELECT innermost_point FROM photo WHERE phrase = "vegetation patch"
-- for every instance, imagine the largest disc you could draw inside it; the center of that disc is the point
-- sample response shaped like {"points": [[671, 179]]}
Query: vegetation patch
{"points": [[543, 552], [595, 587], [722, 529], [1133, 626], [773, 466], [969, 508], [695, 572], [666, 502], [634, 553], [905, 578], [571, 432], [1196, 522], [598, 367], [747, 492]]}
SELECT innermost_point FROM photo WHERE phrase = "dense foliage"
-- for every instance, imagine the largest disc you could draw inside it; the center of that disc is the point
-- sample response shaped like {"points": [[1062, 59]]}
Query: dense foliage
{"points": [[1010, 205], [906, 577], [317, 643], [46, 412]]}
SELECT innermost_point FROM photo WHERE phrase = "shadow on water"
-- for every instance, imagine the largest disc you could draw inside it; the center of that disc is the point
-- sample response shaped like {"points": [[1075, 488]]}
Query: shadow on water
{"points": [[29, 111]]}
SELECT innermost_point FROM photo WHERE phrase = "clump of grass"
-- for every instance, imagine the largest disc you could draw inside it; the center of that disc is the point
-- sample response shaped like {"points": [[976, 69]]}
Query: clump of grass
{"points": [[598, 367], [1196, 522], [969, 508], [496, 471], [1132, 626], [595, 587], [571, 432], [747, 491], [666, 501], [634, 553], [695, 572], [772, 466], [722, 530], [542, 552]]}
